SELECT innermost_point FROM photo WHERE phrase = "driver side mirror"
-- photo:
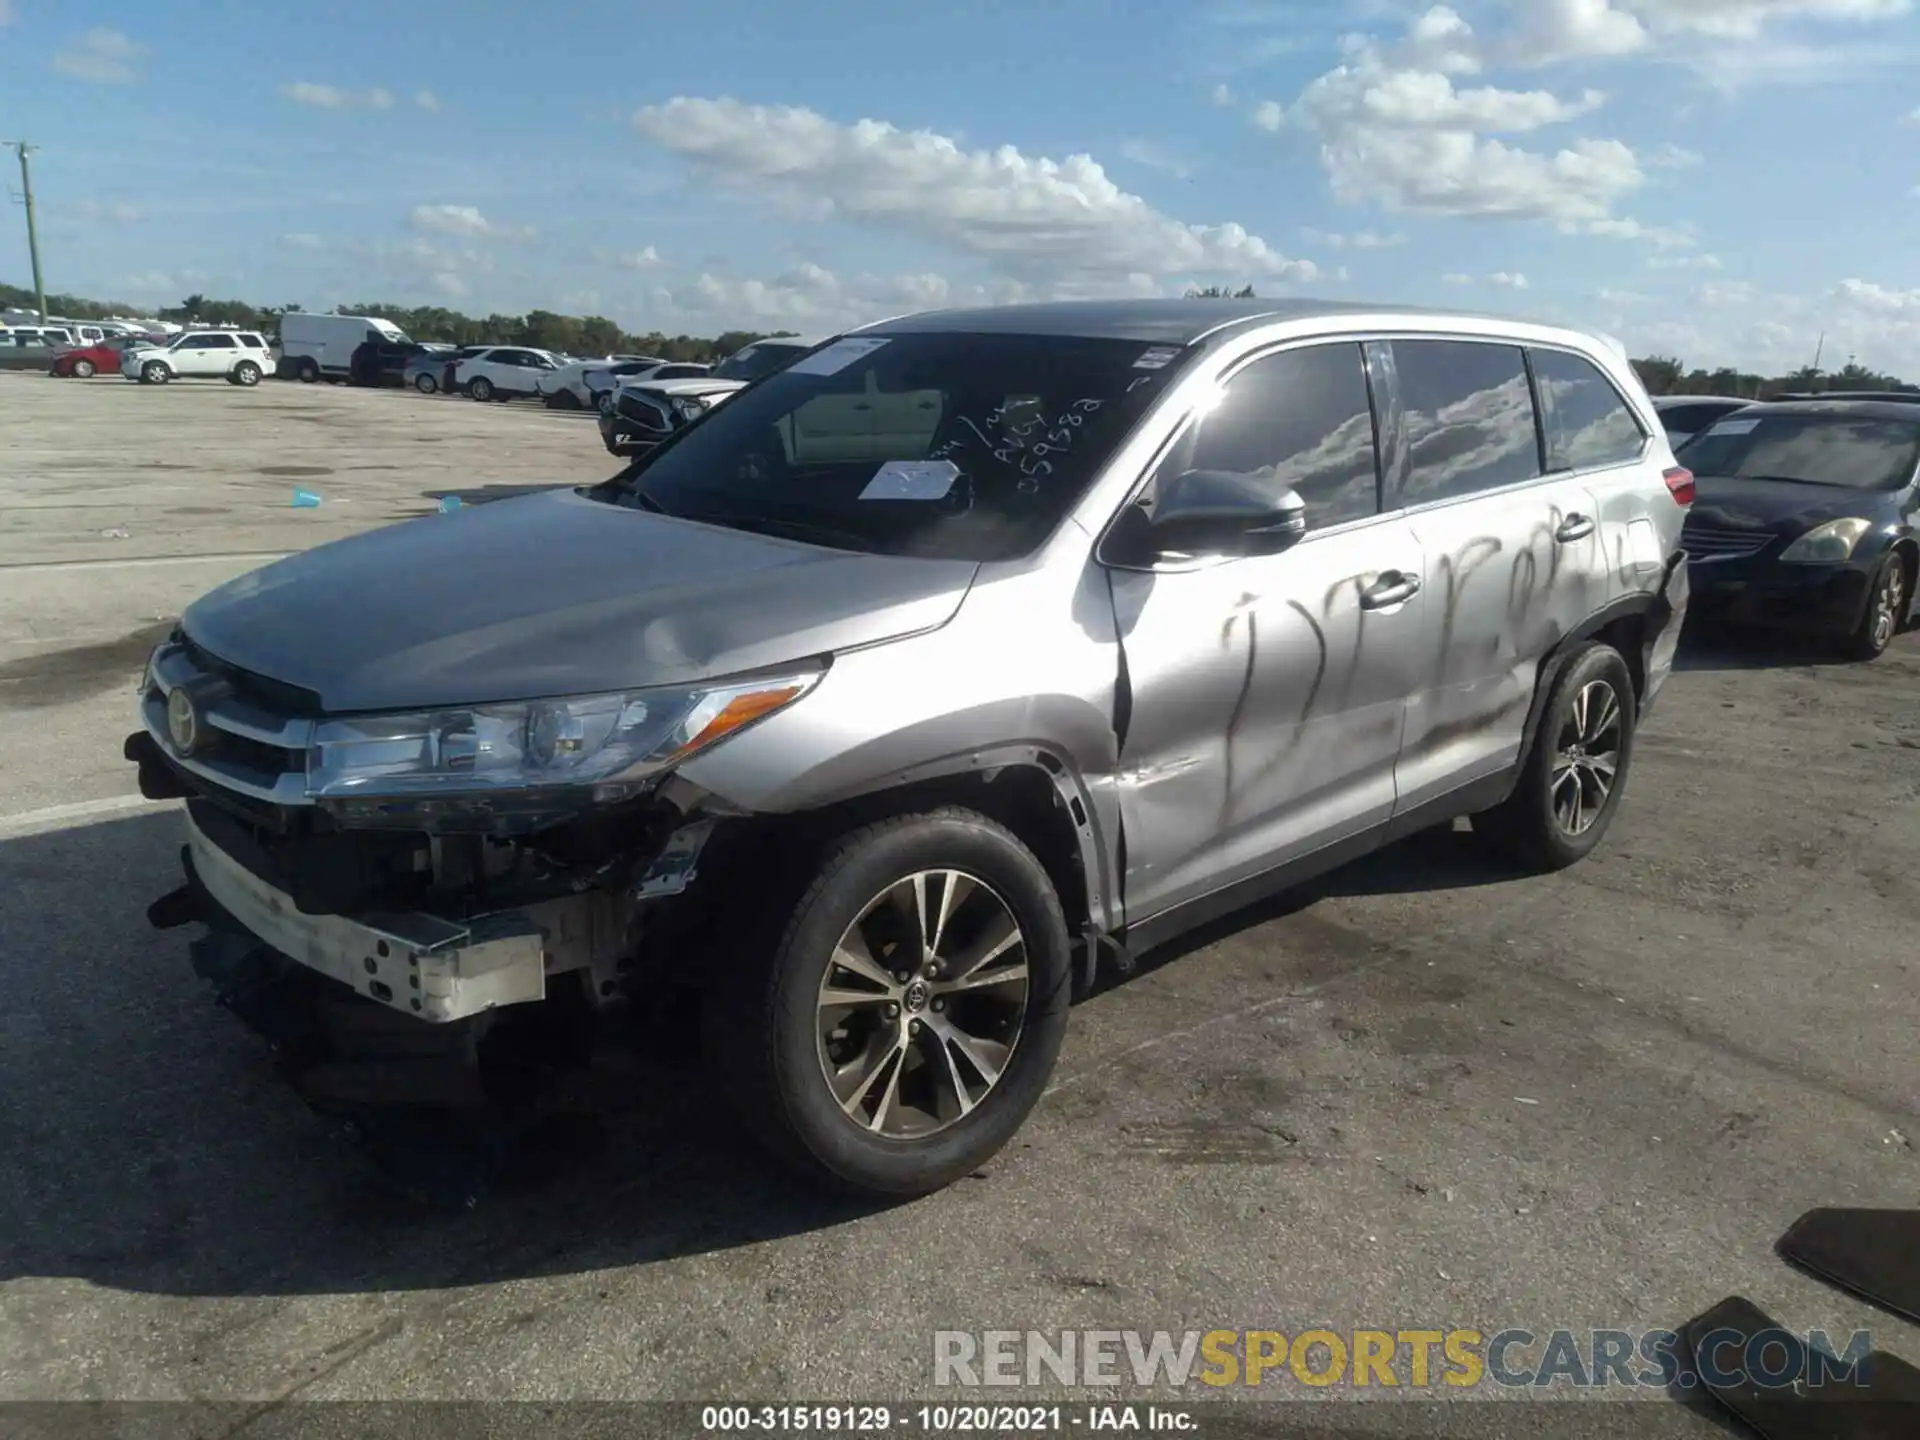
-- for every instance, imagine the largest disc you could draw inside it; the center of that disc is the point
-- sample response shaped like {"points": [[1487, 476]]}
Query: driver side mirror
{"points": [[1224, 512]]}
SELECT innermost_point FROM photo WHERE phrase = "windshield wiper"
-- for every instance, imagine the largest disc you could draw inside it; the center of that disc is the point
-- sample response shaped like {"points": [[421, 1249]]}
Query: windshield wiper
{"points": [[801, 530]]}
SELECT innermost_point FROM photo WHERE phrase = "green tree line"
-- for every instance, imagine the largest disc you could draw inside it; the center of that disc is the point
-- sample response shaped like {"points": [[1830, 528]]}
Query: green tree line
{"points": [[1666, 375], [542, 329]]}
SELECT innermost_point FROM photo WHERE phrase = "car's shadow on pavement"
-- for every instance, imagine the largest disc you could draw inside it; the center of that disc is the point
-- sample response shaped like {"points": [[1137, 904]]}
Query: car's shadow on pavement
{"points": [[1709, 645], [153, 1148]]}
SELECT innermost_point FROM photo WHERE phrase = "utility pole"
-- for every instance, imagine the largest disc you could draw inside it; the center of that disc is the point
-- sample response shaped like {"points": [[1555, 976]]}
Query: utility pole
{"points": [[23, 149]]}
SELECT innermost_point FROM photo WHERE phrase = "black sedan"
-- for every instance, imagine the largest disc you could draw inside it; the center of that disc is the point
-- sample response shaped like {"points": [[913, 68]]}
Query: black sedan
{"points": [[1804, 519]]}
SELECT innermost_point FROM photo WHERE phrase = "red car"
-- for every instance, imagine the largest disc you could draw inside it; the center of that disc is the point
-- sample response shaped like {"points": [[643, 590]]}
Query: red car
{"points": [[89, 360]]}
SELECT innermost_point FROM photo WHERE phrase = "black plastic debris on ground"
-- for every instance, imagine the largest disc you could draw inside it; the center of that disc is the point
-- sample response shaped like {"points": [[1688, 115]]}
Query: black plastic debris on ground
{"points": [[1817, 1397], [1874, 1254]]}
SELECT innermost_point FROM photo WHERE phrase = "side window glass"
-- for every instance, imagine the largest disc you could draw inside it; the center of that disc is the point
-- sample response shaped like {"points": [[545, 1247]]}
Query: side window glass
{"points": [[1588, 424], [1304, 417], [1470, 418]]}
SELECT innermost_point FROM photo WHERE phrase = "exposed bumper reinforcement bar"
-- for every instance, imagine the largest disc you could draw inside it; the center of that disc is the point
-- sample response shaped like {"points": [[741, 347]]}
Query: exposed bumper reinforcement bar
{"points": [[433, 969]]}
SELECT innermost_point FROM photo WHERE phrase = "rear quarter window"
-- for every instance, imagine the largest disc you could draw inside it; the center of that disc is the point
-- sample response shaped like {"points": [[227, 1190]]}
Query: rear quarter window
{"points": [[1588, 423]]}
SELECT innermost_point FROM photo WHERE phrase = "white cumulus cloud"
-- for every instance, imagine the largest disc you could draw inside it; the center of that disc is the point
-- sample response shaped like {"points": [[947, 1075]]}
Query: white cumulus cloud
{"points": [[106, 57], [462, 220], [333, 97], [1028, 217]]}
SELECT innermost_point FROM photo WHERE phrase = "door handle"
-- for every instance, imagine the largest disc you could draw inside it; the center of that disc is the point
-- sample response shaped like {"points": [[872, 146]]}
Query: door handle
{"points": [[1390, 589], [1574, 527]]}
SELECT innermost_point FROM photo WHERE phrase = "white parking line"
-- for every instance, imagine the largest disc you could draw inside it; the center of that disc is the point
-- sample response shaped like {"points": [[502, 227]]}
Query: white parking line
{"points": [[54, 815], [44, 566]]}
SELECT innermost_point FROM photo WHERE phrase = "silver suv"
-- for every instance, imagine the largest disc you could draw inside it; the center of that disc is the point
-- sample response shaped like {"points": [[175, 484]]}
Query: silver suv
{"points": [[859, 748]]}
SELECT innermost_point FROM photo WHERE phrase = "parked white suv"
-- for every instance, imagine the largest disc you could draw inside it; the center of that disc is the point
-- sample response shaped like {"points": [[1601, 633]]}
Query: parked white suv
{"points": [[240, 357], [505, 371]]}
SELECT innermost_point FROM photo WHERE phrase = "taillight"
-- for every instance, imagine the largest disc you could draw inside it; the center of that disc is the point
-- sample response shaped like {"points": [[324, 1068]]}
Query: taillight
{"points": [[1680, 484]]}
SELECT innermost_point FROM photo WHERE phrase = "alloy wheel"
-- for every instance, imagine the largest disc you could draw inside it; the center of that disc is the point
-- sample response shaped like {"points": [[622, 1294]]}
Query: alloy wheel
{"points": [[1587, 758], [922, 1004], [1887, 607]]}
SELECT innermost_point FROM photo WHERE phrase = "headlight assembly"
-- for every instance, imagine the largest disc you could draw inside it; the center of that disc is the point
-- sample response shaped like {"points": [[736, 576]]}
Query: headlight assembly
{"points": [[611, 745], [1828, 544], [689, 408]]}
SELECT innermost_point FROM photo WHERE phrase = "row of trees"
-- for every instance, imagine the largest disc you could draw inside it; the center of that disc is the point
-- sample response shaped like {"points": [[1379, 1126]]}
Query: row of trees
{"points": [[1665, 375], [542, 329]]}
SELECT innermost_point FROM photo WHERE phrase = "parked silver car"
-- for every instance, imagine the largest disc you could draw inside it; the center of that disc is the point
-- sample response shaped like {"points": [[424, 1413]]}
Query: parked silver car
{"points": [[856, 750]]}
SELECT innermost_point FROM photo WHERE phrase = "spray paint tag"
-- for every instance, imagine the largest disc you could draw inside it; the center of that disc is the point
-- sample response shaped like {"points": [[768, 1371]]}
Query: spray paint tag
{"points": [[1157, 358], [837, 356], [912, 480]]}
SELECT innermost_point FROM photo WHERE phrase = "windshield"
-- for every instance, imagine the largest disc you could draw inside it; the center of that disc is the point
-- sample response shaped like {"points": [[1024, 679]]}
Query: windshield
{"points": [[965, 447], [1855, 452], [756, 362]]}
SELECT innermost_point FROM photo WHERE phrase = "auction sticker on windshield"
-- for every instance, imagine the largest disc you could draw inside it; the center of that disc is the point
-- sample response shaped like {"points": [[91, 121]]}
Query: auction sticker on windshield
{"points": [[912, 480], [837, 356]]}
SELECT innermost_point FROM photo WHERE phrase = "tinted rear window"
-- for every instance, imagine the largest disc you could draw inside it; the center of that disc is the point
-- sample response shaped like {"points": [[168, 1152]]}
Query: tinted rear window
{"points": [[1858, 452]]}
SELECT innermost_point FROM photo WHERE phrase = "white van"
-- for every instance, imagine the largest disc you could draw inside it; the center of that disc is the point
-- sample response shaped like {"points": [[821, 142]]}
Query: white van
{"points": [[313, 347]]}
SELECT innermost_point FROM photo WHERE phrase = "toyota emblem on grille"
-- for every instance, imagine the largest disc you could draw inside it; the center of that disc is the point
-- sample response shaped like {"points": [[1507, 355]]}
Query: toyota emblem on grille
{"points": [[183, 721]]}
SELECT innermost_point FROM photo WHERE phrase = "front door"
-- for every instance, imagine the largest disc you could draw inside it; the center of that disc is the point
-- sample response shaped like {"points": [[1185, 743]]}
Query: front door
{"points": [[1267, 695], [1514, 556]]}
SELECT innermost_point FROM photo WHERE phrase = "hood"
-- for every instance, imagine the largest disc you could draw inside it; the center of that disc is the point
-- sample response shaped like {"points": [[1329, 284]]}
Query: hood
{"points": [[1778, 506], [556, 594], [689, 385]]}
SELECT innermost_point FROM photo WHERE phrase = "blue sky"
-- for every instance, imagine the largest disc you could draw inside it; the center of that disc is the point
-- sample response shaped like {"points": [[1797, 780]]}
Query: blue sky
{"points": [[1722, 179]]}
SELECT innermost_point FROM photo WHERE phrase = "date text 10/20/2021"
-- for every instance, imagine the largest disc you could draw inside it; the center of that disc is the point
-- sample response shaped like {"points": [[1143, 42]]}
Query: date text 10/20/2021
{"points": [[946, 1419]]}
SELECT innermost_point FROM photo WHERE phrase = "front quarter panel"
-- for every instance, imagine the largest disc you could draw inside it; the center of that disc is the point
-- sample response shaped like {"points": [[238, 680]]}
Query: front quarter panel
{"points": [[1025, 669]]}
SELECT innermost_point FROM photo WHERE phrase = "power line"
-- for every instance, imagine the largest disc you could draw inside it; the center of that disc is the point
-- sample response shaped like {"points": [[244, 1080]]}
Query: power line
{"points": [[23, 149]]}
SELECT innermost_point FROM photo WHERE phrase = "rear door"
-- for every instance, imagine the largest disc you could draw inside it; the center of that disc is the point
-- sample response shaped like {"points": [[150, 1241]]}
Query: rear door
{"points": [[1514, 555]]}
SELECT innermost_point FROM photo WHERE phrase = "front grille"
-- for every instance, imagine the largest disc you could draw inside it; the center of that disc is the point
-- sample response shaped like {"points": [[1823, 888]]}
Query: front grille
{"points": [[258, 729], [647, 414], [1705, 543]]}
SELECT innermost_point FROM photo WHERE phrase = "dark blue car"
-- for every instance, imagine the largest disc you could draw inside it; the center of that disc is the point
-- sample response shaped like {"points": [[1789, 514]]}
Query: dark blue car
{"points": [[1804, 519]]}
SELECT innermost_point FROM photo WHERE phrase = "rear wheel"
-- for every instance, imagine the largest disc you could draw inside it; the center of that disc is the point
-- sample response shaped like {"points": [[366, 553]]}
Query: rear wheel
{"points": [[425, 384], [155, 372], [1886, 611], [83, 369], [480, 388], [898, 1031], [246, 373], [1574, 768], [309, 371], [603, 402]]}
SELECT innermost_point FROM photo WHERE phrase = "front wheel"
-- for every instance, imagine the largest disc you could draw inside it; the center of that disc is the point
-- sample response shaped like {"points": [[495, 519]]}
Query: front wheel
{"points": [[1886, 610], [83, 369], [1574, 768], [246, 373], [900, 1029], [480, 388], [155, 373], [425, 384], [603, 402], [308, 371]]}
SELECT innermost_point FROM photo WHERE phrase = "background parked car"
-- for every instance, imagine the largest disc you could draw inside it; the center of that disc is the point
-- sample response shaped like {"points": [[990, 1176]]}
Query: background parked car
{"points": [[645, 411], [1804, 519], [601, 385], [239, 357], [565, 388], [85, 361], [427, 371], [502, 372], [1684, 416]]}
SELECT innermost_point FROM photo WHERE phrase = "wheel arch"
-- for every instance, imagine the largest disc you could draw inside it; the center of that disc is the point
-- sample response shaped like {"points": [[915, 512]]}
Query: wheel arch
{"points": [[1627, 624]]}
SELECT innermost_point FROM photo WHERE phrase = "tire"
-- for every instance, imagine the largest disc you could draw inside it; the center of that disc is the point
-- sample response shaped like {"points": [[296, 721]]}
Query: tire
{"points": [[480, 388], [309, 370], [155, 372], [603, 402], [903, 1128], [1543, 825], [1883, 614], [426, 384], [82, 369], [246, 373]]}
